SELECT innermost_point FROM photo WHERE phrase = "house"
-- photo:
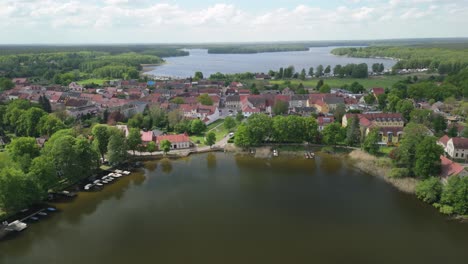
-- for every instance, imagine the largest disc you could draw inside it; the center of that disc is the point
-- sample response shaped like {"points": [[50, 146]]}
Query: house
{"points": [[147, 137], [298, 100], [456, 148], [124, 129], [390, 125], [324, 121], [262, 76], [451, 168], [325, 102], [75, 87], [233, 102], [181, 141], [287, 91], [377, 91]]}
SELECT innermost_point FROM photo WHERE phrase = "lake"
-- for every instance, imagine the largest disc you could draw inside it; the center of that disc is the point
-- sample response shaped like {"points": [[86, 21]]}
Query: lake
{"points": [[200, 60], [225, 208]]}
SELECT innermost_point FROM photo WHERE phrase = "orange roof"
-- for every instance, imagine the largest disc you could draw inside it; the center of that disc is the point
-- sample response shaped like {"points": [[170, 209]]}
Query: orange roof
{"points": [[173, 138], [444, 140], [146, 136], [449, 168]]}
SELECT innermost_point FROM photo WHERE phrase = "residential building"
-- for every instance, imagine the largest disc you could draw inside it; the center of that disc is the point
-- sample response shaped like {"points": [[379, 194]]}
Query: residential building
{"points": [[181, 141], [456, 148]]}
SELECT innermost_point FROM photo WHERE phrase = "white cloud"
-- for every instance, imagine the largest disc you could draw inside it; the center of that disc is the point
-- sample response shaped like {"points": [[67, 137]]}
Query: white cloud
{"points": [[147, 21]]}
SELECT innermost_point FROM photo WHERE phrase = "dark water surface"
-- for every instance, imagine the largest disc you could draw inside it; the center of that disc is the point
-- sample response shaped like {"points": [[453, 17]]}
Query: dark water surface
{"points": [[201, 60], [220, 208]]}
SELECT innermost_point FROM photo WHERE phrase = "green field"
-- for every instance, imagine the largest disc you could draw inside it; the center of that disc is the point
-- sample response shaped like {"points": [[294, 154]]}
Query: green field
{"points": [[217, 127], [89, 81], [368, 83]]}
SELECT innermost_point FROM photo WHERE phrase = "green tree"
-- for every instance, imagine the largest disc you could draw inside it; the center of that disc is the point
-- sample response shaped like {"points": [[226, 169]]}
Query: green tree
{"points": [[117, 148], [454, 194], [319, 70], [229, 123], [452, 132], [28, 122], [311, 133], [17, 190], [327, 69], [49, 124], [86, 158], [259, 127], [210, 139], [101, 136], [427, 161], [165, 146], [369, 99], [325, 88], [332, 134], [339, 112], [174, 117], [302, 75], [405, 156], [239, 116], [136, 121], [151, 147], [337, 70], [439, 123], [23, 150], [45, 104], [134, 139], [198, 76], [205, 99], [280, 107], [371, 141], [242, 138], [429, 190], [43, 173], [197, 127], [177, 100], [404, 107], [319, 84], [6, 84], [311, 71], [353, 132]]}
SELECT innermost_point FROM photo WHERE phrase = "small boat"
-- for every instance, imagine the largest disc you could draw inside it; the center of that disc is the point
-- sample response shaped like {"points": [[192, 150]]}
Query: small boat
{"points": [[99, 184], [16, 226], [24, 210], [111, 174], [51, 209], [96, 181], [118, 171], [118, 175], [42, 213], [33, 218], [88, 186], [275, 153], [126, 172]]}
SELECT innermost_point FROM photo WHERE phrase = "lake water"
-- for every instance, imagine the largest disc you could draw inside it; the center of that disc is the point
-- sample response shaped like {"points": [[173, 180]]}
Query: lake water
{"points": [[200, 60], [221, 208]]}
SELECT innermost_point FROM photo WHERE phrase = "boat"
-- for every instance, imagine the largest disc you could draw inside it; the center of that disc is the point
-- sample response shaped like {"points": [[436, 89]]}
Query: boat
{"points": [[275, 153], [33, 218], [96, 181], [51, 209], [42, 213], [118, 171], [126, 172], [99, 184], [88, 186], [16, 226], [118, 175]]}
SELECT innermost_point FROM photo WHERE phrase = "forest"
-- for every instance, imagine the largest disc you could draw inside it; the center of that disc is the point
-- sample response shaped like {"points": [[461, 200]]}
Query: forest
{"points": [[441, 58], [65, 64]]}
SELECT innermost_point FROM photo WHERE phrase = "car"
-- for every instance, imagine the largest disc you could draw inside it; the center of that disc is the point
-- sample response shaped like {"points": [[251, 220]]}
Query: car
{"points": [[231, 134], [230, 111]]}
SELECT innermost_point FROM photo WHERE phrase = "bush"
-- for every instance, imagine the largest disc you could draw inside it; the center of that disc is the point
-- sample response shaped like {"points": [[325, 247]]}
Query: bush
{"points": [[399, 173], [384, 162], [444, 209], [429, 190]]}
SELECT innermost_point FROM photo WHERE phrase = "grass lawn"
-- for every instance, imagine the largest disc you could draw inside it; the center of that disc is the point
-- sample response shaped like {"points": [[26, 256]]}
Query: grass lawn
{"points": [[217, 127], [95, 80], [373, 81]]}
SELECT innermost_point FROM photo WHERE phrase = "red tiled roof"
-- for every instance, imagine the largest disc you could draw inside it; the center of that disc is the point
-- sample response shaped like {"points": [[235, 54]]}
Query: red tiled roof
{"points": [[449, 168], [173, 138], [378, 91], [460, 143], [325, 120], [146, 136], [444, 140]]}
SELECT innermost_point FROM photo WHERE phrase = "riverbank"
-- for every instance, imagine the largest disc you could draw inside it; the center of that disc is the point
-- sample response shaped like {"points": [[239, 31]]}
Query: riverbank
{"points": [[381, 167]]}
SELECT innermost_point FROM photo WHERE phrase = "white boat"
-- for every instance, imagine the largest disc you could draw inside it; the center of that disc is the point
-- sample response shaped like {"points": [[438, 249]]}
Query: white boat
{"points": [[118, 175], [111, 174], [17, 226], [96, 181], [118, 171], [126, 172], [88, 186], [99, 184]]}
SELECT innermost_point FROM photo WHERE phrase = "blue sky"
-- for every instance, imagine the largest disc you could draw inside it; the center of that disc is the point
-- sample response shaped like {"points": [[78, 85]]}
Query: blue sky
{"points": [[149, 21]]}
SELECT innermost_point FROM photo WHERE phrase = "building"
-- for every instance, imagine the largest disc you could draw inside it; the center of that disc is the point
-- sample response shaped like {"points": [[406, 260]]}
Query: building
{"points": [[450, 168], [456, 148], [233, 102], [147, 137], [324, 121], [390, 125], [181, 141]]}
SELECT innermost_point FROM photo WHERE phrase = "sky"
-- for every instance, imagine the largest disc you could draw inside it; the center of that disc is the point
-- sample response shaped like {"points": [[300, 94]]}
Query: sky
{"points": [[202, 21]]}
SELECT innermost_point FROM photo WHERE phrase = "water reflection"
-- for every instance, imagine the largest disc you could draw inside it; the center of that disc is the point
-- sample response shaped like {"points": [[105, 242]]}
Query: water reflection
{"points": [[211, 160], [166, 165]]}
